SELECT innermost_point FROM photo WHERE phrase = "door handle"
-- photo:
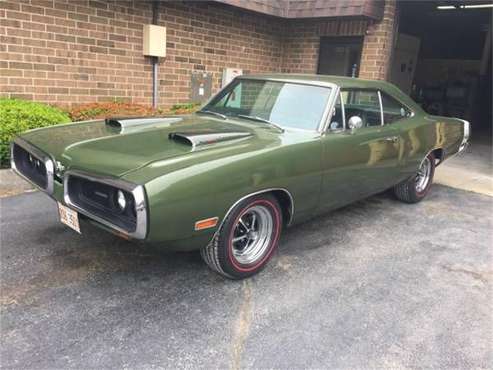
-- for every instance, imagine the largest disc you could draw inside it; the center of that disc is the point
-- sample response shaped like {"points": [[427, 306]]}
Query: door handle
{"points": [[392, 139]]}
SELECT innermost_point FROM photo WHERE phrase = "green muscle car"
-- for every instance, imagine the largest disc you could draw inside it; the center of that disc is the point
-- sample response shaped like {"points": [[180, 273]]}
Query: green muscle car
{"points": [[264, 153]]}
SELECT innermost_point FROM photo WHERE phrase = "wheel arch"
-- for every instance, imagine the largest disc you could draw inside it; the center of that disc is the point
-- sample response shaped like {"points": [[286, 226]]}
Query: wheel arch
{"points": [[282, 195], [286, 202], [439, 155]]}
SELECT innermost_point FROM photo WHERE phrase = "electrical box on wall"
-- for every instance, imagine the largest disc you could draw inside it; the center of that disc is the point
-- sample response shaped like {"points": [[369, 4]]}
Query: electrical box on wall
{"points": [[154, 40], [201, 84], [229, 74]]}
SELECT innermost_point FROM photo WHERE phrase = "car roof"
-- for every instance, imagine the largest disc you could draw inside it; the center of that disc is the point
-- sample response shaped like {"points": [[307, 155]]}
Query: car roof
{"points": [[342, 82], [338, 80]]}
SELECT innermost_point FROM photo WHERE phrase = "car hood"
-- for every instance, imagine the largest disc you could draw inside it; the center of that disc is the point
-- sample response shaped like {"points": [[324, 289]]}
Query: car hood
{"points": [[121, 146]]}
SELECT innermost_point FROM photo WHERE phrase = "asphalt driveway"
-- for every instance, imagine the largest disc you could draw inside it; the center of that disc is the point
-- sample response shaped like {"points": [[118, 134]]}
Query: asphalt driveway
{"points": [[376, 284]]}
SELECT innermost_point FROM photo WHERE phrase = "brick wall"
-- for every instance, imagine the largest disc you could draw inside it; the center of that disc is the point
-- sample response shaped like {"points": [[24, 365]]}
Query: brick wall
{"points": [[300, 47], [379, 44], [64, 52], [77, 51], [212, 37]]}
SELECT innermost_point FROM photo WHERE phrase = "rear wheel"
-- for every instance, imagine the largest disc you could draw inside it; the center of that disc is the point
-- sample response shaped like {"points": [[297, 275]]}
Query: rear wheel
{"points": [[247, 238], [417, 187]]}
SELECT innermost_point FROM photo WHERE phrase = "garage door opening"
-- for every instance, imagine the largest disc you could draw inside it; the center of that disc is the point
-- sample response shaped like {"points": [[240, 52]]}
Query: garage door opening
{"points": [[442, 59]]}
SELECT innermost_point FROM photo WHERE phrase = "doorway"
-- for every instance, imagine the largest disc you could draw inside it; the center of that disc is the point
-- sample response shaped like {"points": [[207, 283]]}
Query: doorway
{"points": [[452, 77], [340, 56], [448, 60]]}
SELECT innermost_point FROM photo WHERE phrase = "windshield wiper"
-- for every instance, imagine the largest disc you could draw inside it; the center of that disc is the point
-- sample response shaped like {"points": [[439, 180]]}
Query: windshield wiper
{"points": [[206, 111], [260, 119]]}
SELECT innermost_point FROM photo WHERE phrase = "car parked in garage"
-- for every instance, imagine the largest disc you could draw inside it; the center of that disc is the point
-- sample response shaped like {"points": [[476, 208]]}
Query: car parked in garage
{"points": [[264, 153]]}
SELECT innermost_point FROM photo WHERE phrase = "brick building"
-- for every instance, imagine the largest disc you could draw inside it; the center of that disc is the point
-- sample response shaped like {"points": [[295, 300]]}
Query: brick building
{"points": [[65, 52], [77, 51]]}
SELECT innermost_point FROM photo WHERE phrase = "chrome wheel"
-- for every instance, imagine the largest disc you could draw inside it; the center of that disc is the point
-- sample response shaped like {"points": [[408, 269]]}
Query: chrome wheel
{"points": [[252, 235], [423, 176]]}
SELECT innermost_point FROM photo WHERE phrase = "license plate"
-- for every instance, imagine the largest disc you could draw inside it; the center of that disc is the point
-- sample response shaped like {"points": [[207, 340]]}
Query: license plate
{"points": [[69, 217]]}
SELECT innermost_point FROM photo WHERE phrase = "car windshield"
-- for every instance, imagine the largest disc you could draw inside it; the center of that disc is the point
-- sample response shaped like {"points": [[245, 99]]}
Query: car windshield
{"points": [[276, 103]]}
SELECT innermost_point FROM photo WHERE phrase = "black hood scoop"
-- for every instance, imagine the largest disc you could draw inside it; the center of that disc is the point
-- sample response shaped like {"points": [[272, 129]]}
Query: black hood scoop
{"points": [[201, 138]]}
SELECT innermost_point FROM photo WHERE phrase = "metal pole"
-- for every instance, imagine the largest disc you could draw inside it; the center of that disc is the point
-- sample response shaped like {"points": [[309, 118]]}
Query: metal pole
{"points": [[155, 60], [155, 64]]}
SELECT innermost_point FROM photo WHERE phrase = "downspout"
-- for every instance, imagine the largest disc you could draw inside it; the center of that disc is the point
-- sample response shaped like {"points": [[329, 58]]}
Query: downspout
{"points": [[155, 60], [397, 19]]}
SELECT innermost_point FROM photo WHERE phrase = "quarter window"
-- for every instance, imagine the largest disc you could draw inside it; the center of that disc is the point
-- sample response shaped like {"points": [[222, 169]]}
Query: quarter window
{"points": [[392, 109]]}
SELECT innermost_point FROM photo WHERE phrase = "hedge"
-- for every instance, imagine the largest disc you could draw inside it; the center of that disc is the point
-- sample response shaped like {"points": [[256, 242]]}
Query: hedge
{"points": [[17, 116], [124, 109], [90, 111]]}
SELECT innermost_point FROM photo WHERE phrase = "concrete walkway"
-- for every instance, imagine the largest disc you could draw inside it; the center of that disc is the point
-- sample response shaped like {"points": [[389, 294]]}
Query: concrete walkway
{"points": [[471, 170]]}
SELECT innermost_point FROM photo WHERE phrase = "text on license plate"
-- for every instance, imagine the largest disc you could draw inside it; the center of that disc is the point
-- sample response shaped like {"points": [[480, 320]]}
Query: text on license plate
{"points": [[69, 217]]}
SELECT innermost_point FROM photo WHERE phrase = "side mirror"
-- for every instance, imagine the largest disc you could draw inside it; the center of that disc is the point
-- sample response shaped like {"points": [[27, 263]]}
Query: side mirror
{"points": [[355, 122]]}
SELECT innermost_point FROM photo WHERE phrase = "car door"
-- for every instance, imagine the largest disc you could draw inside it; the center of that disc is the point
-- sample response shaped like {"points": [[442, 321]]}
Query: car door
{"points": [[358, 161], [399, 116]]}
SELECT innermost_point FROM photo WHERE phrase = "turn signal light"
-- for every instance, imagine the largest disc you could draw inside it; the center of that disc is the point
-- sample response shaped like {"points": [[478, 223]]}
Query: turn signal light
{"points": [[206, 224]]}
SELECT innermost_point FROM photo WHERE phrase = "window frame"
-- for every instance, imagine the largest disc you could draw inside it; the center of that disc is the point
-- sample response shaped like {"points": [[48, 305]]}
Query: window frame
{"points": [[380, 103], [377, 91], [343, 111], [333, 110], [411, 112]]}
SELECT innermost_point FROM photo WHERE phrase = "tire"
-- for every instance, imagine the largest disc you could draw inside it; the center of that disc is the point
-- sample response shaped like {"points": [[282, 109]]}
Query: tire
{"points": [[415, 189], [247, 238]]}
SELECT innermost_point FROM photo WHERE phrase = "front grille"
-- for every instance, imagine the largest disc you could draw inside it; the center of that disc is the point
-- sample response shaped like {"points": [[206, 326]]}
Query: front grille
{"points": [[30, 166], [100, 200]]}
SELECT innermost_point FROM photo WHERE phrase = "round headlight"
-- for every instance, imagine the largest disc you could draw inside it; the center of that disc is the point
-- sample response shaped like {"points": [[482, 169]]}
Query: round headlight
{"points": [[121, 201]]}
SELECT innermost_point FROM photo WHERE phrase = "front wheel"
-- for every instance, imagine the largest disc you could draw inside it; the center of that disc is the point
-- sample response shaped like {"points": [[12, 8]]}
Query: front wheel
{"points": [[247, 238], [417, 187]]}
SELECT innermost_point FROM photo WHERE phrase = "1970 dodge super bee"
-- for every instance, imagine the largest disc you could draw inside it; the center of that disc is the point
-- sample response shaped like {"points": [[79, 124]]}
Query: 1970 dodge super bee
{"points": [[265, 153]]}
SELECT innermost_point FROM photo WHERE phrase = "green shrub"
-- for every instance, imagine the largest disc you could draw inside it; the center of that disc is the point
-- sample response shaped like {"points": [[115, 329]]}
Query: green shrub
{"points": [[17, 116]]}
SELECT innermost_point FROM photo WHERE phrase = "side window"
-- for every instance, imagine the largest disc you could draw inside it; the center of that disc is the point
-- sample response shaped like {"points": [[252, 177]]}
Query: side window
{"points": [[392, 109], [364, 104], [337, 120]]}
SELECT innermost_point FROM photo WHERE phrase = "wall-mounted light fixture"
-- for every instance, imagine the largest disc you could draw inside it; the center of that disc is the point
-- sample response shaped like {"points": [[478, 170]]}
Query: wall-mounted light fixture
{"points": [[458, 7]]}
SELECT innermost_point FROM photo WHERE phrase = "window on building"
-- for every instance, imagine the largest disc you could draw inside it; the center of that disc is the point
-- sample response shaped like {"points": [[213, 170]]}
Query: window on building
{"points": [[340, 56]]}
